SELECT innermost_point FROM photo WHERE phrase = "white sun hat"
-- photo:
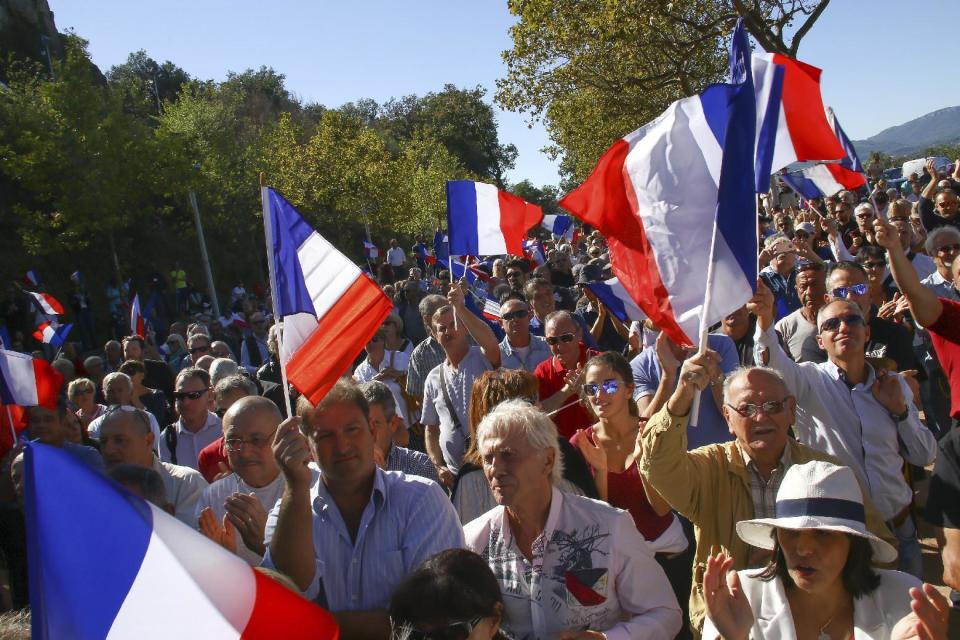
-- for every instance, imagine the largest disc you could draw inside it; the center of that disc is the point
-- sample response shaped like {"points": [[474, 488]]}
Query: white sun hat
{"points": [[817, 495]]}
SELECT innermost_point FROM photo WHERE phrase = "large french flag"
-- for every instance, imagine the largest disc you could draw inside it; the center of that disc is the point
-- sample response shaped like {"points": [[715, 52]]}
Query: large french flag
{"points": [[330, 308], [47, 303], [827, 179], [615, 298], [142, 573], [674, 193], [52, 333], [484, 221]]}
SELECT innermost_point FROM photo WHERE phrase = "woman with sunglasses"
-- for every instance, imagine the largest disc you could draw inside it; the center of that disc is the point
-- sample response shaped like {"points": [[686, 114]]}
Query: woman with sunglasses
{"points": [[820, 582], [452, 596], [880, 286]]}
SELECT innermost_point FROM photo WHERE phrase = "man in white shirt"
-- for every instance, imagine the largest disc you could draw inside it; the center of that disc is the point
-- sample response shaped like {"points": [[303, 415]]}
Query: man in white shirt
{"points": [[446, 394], [233, 510], [395, 256], [943, 244], [567, 566], [520, 349], [182, 441], [125, 438], [864, 417]]}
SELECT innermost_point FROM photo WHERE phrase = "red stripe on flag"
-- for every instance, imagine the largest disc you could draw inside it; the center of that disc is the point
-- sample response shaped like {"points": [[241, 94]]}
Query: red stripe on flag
{"points": [[280, 613], [517, 216], [49, 383], [340, 335], [849, 179], [606, 200], [813, 137]]}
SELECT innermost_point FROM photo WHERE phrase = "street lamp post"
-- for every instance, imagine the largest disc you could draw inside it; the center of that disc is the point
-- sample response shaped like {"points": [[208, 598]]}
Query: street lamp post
{"points": [[211, 288]]}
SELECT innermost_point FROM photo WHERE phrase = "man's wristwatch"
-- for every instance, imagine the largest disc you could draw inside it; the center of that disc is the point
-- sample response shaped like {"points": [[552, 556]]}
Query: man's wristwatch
{"points": [[900, 417]]}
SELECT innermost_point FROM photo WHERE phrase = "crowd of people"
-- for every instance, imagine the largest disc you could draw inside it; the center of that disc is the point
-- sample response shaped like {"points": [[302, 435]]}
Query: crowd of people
{"points": [[536, 472]]}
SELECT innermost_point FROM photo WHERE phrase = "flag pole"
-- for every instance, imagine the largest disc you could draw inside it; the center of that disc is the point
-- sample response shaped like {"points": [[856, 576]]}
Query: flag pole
{"points": [[13, 430], [268, 235], [452, 281], [704, 325]]}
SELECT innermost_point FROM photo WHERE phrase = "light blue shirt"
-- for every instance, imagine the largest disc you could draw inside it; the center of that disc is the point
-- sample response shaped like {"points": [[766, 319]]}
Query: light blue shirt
{"points": [[537, 352], [407, 520]]}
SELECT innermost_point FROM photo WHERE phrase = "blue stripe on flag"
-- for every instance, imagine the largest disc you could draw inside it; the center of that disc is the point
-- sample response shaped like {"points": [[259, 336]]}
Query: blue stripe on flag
{"points": [[766, 137], [850, 161], [290, 231], [462, 217], [804, 186], [77, 593]]}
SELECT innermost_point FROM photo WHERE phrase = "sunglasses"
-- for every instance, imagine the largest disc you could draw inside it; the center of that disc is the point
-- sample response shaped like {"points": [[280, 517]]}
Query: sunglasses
{"points": [[609, 386], [846, 292], [455, 631], [748, 410], [555, 340], [189, 395], [948, 248], [833, 324], [874, 264], [519, 313], [199, 350]]}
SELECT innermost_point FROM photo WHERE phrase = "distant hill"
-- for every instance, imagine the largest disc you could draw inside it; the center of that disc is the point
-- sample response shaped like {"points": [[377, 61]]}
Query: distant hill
{"points": [[937, 127]]}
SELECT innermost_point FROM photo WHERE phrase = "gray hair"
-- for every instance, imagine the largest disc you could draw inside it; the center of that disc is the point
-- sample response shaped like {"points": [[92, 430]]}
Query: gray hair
{"points": [[934, 238], [429, 305], [768, 242], [740, 372], [538, 429], [554, 316], [849, 303], [196, 336], [234, 382], [140, 417], [222, 368], [377, 392], [146, 480], [181, 343], [110, 378], [274, 335], [865, 206], [64, 366], [93, 361]]}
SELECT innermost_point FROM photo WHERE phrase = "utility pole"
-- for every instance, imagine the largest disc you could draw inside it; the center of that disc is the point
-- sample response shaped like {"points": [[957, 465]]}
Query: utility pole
{"points": [[211, 289]]}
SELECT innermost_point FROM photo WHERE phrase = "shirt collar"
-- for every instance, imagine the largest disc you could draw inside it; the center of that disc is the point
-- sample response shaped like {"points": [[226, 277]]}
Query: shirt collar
{"points": [[749, 464], [213, 421], [553, 516], [558, 366], [838, 374]]}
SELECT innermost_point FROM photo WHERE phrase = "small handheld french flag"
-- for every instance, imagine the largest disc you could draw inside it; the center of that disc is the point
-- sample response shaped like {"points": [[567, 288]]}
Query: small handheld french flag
{"points": [[47, 303], [615, 298], [491, 308], [484, 221], [31, 279], [137, 327], [370, 250], [558, 225], [52, 333]]}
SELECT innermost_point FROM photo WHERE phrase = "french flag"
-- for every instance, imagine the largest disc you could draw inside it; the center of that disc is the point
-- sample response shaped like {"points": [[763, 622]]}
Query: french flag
{"points": [[677, 192], [790, 111], [615, 298], [558, 225], [52, 333], [137, 326], [828, 178], [330, 308], [28, 382], [533, 250], [491, 308], [370, 250], [31, 279], [142, 573], [47, 303], [484, 221]]}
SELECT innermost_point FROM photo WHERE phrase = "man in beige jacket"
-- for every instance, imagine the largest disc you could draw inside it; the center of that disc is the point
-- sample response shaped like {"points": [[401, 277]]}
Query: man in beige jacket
{"points": [[718, 485]]}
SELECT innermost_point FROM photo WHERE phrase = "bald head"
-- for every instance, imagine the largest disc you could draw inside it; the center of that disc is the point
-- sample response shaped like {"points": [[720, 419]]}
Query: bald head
{"points": [[246, 407], [248, 429]]}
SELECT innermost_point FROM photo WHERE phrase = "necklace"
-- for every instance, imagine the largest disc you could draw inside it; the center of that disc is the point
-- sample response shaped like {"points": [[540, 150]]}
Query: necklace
{"points": [[823, 635]]}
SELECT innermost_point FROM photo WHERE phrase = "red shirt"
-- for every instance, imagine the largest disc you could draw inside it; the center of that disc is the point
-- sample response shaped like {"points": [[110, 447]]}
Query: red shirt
{"points": [[625, 491], [210, 457], [945, 336], [550, 374]]}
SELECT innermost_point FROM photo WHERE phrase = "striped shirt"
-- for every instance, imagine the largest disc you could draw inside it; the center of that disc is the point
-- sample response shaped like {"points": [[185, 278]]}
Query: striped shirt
{"points": [[407, 520], [764, 492], [412, 463], [424, 359]]}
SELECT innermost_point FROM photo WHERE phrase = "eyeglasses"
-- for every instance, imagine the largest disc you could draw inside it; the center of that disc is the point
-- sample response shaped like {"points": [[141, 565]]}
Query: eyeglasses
{"points": [[948, 248], [555, 340], [454, 631], [189, 395], [609, 386], [376, 338], [900, 220], [864, 215], [874, 264], [833, 324], [846, 292], [256, 442], [770, 407], [519, 313], [947, 203], [202, 349]]}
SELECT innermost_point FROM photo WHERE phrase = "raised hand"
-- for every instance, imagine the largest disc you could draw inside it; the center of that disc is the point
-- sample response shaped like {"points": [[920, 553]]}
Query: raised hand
{"points": [[668, 362], [885, 234], [249, 517], [292, 452], [727, 604], [928, 619], [761, 305], [888, 392], [594, 454], [223, 534]]}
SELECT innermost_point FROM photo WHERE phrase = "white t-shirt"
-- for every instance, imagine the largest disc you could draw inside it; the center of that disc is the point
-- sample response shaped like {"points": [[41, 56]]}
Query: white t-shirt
{"points": [[399, 360], [217, 493], [396, 257]]}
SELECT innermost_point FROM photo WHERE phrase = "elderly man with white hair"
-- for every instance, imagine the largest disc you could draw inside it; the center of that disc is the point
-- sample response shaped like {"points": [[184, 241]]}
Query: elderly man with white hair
{"points": [[568, 566], [943, 245]]}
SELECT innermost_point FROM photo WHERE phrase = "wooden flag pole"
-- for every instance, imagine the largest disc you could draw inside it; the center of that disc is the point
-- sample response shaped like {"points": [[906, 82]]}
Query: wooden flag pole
{"points": [[704, 324], [268, 235]]}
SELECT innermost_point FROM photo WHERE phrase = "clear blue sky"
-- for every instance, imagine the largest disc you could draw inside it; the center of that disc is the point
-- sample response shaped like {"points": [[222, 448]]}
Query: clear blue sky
{"points": [[875, 55]]}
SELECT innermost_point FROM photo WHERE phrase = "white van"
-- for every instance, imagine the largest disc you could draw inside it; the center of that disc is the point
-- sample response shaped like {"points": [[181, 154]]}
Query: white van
{"points": [[943, 165]]}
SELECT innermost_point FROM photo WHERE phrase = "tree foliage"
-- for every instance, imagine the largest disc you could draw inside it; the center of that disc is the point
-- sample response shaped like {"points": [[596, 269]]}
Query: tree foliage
{"points": [[596, 71]]}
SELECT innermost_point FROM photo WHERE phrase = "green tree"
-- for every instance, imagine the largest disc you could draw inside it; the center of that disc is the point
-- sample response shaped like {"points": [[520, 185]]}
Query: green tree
{"points": [[145, 84], [546, 196]]}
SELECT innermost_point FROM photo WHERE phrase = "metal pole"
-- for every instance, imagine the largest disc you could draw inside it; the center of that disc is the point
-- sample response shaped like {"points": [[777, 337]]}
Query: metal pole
{"points": [[211, 289]]}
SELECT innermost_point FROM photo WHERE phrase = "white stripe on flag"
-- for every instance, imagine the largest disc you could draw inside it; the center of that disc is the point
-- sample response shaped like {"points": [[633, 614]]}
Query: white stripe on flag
{"points": [[327, 272], [490, 240], [17, 371]]}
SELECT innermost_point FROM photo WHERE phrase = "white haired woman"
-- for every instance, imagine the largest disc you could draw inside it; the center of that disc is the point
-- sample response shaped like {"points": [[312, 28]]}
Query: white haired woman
{"points": [[820, 583]]}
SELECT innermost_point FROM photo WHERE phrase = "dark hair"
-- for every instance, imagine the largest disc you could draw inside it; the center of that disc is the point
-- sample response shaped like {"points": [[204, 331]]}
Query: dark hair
{"points": [[620, 367], [453, 585], [344, 390], [517, 263], [869, 251], [858, 576], [134, 338], [132, 367], [511, 295], [194, 372], [846, 265]]}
